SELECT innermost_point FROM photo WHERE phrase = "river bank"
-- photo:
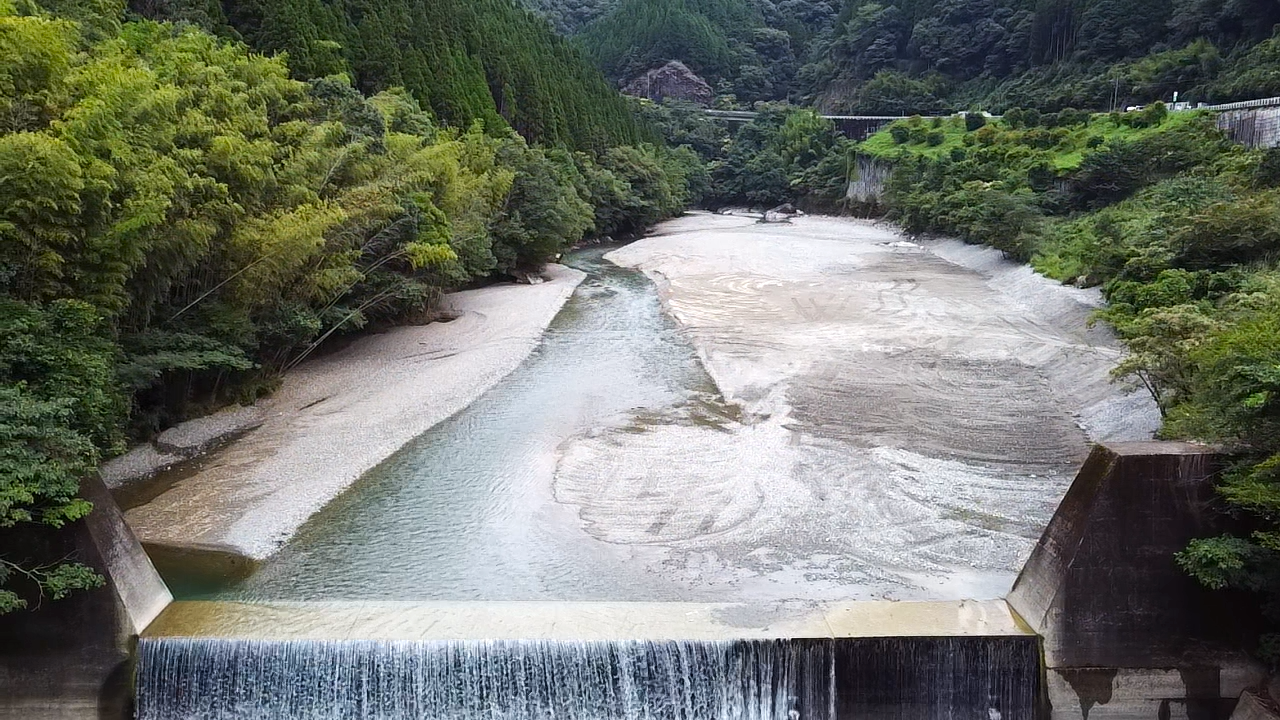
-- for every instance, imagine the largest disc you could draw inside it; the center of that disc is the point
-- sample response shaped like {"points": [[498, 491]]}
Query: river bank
{"points": [[335, 418]]}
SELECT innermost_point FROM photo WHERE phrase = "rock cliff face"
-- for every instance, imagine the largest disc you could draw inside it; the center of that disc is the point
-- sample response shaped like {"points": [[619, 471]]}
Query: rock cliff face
{"points": [[673, 80]]}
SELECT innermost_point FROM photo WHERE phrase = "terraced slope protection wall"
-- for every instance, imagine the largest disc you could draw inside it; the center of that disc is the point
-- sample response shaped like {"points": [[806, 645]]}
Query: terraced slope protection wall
{"points": [[1253, 123]]}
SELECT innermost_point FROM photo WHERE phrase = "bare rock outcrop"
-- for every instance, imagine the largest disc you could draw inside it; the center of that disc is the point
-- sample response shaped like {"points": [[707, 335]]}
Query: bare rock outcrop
{"points": [[673, 80]]}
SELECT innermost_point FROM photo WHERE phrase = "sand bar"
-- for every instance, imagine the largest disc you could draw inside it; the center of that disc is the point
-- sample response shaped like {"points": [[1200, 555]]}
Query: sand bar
{"points": [[911, 412], [335, 418]]}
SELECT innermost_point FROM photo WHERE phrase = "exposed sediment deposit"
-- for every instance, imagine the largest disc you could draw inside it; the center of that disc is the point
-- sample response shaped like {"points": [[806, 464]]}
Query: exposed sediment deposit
{"points": [[819, 410], [912, 413], [335, 418]]}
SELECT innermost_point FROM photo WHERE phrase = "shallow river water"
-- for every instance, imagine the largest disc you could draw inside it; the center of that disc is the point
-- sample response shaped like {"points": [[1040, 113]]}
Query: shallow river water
{"points": [[610, 467], [466, 511]]}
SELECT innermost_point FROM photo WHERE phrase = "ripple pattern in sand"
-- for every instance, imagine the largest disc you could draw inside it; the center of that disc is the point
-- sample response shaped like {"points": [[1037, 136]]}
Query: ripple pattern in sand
{"points": [[979, 411], [773, 507]]}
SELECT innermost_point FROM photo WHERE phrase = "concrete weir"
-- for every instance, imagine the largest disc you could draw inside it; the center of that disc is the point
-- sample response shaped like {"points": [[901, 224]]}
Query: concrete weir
{"points": [[1121, 631], [590, 660], [1100, 624]]}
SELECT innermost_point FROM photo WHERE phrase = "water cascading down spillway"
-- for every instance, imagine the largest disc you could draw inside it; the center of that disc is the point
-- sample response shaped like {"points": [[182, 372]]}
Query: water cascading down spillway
{"points": [[536, 661]]}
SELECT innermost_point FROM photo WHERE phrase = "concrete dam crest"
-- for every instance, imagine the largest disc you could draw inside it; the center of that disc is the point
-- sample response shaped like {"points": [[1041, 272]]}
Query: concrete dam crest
{"points": [[681, 661]]}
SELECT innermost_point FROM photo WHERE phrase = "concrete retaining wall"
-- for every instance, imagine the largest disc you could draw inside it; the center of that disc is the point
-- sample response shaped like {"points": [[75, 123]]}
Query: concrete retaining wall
{"points": [[1252, 127], [868, 184], [1127, 634], [72, 658]]}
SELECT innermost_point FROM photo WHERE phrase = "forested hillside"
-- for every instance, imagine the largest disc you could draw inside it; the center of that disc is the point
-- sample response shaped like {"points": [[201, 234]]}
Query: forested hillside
{"points": [[569, 16], [748, 50], [466, 60], [710, 36], [785, 155], [905, 56], [931, 56], [182, 219]]}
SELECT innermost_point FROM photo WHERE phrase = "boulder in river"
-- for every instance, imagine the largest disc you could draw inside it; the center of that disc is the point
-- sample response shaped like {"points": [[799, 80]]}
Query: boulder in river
{"points": [[201, 435], [179, 443], [782, 213]]}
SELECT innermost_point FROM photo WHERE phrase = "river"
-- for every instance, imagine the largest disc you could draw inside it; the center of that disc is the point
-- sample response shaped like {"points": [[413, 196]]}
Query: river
{"points": [[612, 466]]}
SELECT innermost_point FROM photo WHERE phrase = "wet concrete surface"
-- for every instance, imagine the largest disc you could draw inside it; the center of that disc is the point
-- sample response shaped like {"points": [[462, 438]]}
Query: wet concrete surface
{"points": [[820, 410], [413, 621]]}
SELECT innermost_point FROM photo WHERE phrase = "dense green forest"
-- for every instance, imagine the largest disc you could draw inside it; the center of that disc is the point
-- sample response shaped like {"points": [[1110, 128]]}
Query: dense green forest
{"points": [[784, 155], [466, 60], [906, 56], [569, 16], [182, 219], [928, 56]]}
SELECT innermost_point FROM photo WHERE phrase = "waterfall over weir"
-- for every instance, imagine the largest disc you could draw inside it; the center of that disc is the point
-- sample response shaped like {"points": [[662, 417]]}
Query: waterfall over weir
{"points": [[979, 678], [513, 679]]}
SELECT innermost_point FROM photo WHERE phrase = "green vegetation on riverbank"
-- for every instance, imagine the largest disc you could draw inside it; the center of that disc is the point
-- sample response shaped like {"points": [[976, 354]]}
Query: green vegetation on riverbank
{"points": [[1059, 140], [784, 155], [464, 60], [1181, 230], [182, 219]]}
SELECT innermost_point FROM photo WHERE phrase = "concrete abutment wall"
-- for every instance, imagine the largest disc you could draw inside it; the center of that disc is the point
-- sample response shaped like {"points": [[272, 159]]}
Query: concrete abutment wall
{"points": [[73, 658], [1127, 634]]}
